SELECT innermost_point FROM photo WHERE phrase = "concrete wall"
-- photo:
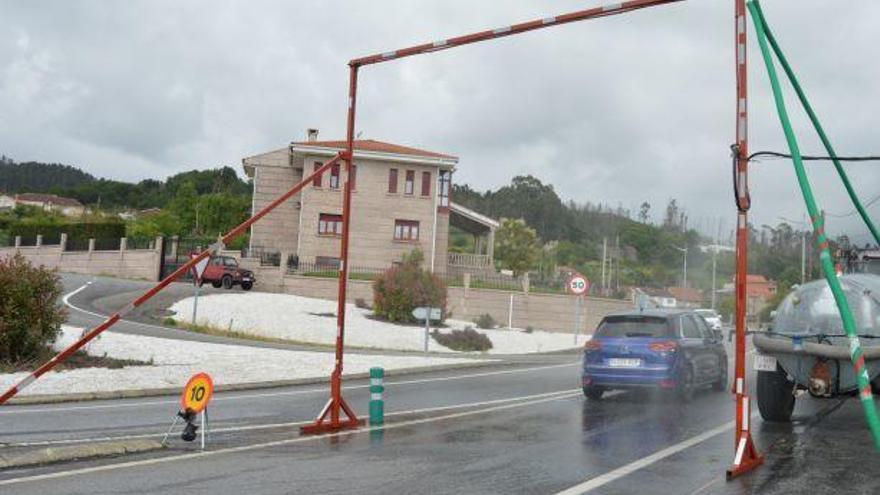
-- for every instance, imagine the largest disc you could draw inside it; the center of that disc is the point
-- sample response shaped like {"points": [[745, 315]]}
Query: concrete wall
{"points": [[550, 312], [138, 264]]}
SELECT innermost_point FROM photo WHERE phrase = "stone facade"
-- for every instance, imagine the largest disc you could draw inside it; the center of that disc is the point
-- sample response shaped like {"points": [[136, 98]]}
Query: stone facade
{"points": [[377, 212]]}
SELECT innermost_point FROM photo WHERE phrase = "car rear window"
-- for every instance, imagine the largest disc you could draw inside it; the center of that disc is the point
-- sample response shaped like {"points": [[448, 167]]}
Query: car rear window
{"points": [[633, 326]]}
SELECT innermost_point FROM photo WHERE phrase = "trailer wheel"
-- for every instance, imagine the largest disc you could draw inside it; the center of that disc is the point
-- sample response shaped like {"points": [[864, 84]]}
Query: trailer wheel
{"points": [[775, 397]]}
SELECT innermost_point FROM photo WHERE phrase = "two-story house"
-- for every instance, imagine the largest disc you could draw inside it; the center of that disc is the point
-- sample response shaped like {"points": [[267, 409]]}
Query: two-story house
{"points": [[400, 201]]}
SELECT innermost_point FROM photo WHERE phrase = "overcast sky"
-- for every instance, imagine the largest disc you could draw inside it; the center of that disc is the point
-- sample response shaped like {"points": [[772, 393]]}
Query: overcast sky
{"points": [[617, 110]]}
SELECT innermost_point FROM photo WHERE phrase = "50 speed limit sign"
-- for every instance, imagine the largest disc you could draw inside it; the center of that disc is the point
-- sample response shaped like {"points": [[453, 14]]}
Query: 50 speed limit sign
{"points": [[197, 393], [578, 284]]}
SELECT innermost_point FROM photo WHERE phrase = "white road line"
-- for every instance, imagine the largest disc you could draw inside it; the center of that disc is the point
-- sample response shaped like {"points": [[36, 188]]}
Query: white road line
{"points": [[220, 398], [603, 479], [245, 448], [268, 426]]}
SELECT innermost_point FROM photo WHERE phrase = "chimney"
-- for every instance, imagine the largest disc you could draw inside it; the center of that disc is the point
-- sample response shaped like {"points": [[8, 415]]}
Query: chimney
{"points": [[312, 135]]}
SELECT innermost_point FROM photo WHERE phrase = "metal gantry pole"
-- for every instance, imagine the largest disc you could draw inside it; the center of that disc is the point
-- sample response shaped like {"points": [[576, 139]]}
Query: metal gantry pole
{"points": [[746, 456], [336, 403]]}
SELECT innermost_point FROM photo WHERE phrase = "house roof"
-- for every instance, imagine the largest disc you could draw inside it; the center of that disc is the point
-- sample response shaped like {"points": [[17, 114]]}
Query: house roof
{"points": [[376, 147], [47, 199]]}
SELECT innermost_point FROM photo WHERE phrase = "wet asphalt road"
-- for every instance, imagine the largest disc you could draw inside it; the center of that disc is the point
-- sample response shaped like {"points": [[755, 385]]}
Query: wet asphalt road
{"points": [[486, 431]]}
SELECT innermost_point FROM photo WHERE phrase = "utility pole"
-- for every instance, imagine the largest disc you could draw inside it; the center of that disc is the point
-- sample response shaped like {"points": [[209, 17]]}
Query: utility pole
{"points": [[684, 273], [617, 259], [604, 251], [714, 253]]}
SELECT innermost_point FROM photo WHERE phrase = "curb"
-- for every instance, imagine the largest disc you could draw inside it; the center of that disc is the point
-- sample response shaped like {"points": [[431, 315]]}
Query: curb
{"points": [[234, 387], [48, 455]]}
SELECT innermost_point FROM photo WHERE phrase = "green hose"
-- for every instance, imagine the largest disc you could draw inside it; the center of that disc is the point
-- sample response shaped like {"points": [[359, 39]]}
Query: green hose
{"points": [[849, 325], [815, 120]]}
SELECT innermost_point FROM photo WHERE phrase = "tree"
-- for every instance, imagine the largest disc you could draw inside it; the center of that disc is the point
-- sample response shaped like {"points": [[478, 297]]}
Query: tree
{"points": [[516, 246], [672, 216], [644, 212]]}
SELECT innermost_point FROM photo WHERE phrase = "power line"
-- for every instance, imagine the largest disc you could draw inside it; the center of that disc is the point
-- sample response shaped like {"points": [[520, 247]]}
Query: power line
{"points": [[777, 155]]}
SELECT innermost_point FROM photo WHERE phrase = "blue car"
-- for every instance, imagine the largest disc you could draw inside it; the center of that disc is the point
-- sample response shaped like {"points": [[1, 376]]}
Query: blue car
{"points": [[664, 349]]}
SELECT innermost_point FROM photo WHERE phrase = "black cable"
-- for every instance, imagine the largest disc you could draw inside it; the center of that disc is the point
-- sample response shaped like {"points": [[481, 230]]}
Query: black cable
{"points": [[774, 154], [741, 206]]}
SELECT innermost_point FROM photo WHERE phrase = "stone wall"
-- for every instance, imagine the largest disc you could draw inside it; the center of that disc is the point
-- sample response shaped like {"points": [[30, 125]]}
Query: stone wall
{"points": [[123, 263], [519, 309]]}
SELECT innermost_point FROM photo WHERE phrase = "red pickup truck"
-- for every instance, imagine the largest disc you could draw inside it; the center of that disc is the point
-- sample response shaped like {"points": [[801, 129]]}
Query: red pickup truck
{"points": [[223, 271]]}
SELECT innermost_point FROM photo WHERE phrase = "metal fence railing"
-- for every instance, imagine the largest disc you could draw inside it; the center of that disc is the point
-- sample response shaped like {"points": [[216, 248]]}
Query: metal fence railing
{"points": [[52, 240], [77, 245], [108, 244], [134, 243]]}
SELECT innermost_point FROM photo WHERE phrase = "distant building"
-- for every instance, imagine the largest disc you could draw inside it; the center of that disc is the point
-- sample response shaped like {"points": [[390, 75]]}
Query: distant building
{"points": [[660, 298], [759, 291], [686, 297], [6, 202], [68, 207]]}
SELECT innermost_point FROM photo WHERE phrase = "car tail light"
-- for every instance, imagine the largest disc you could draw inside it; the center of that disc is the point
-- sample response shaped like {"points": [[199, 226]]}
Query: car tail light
{"points": [[592, 346], [667, 346]]}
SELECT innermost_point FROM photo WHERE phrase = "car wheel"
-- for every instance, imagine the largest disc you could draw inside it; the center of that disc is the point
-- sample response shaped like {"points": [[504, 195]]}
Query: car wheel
{"points": [[216, 284], [227, 282], [721, 384], [593, 393], [247, 285], [685, 388], [775, 397]]}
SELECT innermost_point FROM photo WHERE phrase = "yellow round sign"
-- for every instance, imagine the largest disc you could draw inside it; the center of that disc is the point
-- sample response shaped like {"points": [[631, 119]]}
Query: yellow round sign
{"points": [[197, 393]]}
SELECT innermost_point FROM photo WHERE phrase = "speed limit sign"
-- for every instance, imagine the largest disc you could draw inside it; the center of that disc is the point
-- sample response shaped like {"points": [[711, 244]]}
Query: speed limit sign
{"points": [[578, 284], [197, 393]]}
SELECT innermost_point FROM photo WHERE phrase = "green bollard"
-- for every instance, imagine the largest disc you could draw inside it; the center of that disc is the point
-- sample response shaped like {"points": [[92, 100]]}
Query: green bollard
{"points": [[377, 405]]}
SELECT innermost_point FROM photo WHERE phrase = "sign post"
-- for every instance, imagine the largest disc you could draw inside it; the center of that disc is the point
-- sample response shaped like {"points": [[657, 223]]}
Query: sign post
{"points": [[194, 400], [197, 271], [578, 285], [427, 314]]}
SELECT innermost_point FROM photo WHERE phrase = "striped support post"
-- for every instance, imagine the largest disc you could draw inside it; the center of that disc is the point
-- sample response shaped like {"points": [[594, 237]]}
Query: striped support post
{"points": [[377, 405]]}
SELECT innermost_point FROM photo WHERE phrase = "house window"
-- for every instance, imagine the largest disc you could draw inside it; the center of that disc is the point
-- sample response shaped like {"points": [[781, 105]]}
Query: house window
{"points": [[334, 176], [353, 176], [426, 183], [392, 181], [317, 181], [329, 224], [410, 185], [406, 230], [445, 180]]}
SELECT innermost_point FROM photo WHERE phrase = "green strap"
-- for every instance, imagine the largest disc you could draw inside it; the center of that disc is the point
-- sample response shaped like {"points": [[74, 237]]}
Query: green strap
{"points": [[849, 325], [816, 125]]}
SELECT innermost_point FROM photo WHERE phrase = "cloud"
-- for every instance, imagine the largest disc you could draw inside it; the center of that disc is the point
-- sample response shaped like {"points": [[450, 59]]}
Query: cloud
{"points": [[617, 110]]}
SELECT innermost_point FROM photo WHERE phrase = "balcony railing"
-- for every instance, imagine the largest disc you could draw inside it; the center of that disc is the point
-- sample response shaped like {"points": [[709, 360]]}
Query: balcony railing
{"points": [[478, 261]]}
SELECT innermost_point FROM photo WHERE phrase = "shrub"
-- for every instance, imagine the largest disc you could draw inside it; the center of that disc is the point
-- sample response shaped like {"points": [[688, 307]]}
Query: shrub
{"points": [[30, 317], [485, 321], [530, 329], [405, 287], [361, 303], [169, 322], [463, 340]]}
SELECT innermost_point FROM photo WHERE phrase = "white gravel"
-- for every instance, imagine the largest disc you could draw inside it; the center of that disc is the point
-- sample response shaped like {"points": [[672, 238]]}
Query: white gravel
{"points": [[175, 361], [311, 320]]}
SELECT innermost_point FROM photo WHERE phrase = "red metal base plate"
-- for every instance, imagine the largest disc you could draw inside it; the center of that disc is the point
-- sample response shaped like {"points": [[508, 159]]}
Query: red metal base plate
{"points": [[319, 426], [748, 459]]}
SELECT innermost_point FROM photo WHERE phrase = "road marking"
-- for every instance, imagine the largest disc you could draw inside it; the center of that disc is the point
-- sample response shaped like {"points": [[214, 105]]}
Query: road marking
{"points": [[603, 479], [220, 398], [235, 429], [537, 399]]}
